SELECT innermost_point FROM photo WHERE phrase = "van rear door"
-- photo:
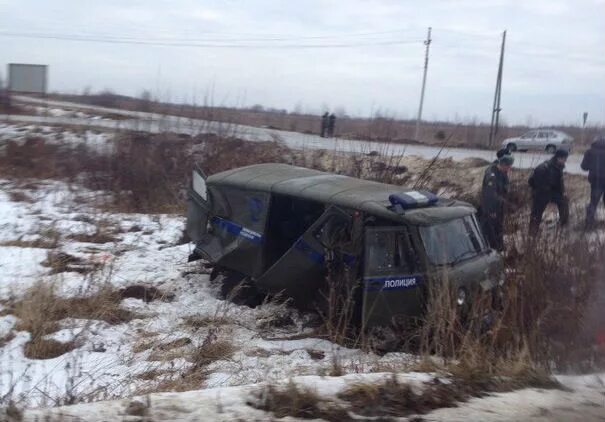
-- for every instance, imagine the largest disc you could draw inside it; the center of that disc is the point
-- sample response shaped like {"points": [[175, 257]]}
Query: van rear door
{"points": [[300, 272], [197, 206], [392, 283]]}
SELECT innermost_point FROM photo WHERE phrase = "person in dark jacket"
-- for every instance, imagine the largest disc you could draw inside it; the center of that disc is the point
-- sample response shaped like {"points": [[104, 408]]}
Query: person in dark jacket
{"points": [[594, 164], [493, 198], [331, 125], [501, 153], [547, 187], [324, 125]]}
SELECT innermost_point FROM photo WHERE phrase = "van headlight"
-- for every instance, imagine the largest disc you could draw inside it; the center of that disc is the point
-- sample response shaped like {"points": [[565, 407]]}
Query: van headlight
{"points": [[461, 297]]}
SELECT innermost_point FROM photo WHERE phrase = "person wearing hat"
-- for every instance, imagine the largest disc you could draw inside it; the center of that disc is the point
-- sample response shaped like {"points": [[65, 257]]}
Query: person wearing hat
{"points": [[494, 194], [501, 153], [547, 186], [594, 164]]}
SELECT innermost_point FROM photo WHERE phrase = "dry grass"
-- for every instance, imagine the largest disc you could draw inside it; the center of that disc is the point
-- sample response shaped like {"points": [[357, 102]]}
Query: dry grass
{"points": [[297, 402], [99, 236], [7, 338], [204, 321], [395, 399], [212, 349], [219, 154], [40, 311], [41, 243], [543, 306], [40, 348], [392, 398], [192, 379], [60, 262], [19, 196]]}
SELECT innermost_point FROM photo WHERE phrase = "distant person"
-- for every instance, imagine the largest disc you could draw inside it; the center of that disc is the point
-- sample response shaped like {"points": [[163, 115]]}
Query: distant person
{"points": [[331, 125], [594, 164], [547, 187], [324, 125], [494, 194]]}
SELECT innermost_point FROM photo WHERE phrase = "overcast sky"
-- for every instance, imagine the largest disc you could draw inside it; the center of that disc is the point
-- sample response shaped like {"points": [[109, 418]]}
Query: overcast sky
{"points": [[360, 55]]}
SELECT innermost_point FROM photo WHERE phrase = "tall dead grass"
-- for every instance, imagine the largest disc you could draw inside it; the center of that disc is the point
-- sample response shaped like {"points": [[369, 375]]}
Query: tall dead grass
{"points": [[536, 324], [142, 172], [40, 311]]}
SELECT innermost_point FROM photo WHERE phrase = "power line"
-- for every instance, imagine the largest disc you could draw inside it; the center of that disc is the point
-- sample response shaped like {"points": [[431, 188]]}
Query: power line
{"points": [[201, 43]]}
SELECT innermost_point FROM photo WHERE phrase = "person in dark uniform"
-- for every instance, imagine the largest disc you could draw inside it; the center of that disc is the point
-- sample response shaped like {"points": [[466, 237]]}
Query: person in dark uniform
{"points": [[594, 164], [547, 186], [331, 125], [493, 198], [324, 124], [501, 153]]}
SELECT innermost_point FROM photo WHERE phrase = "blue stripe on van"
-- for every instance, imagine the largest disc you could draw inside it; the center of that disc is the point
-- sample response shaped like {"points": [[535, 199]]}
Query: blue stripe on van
{"points": [[304, 247], [392, 282], [237, 230], [318, 257]]}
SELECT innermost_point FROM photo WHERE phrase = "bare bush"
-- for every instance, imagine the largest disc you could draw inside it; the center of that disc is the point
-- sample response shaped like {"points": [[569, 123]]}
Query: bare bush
{"points": [[532, 328], [216, 154]]}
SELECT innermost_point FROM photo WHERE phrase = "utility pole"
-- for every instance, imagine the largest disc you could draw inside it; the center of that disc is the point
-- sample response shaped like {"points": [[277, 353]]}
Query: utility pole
{"points": [[493, 129], [426, 67]]}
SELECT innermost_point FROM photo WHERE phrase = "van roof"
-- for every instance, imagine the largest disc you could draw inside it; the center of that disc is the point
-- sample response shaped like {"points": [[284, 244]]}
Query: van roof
{"points": [[348, 192]]}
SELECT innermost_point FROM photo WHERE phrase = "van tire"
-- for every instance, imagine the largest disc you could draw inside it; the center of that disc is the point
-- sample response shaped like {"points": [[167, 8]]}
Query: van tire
{"points": [[551, 149], [512, 147]]}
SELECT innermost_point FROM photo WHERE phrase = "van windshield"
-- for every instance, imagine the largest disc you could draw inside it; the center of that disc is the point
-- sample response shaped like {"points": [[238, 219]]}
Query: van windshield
{"points": [[453, 241]]}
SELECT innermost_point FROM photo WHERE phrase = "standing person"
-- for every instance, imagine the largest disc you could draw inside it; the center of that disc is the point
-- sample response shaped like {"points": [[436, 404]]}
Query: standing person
{"points": [[324, 124], [547, 186], [331, 125], [493, 198], [501, 153], [594, 164]]}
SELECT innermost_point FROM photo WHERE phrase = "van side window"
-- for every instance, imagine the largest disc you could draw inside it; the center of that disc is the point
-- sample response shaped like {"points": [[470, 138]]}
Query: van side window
{"points": [[246, 207], [388, 253]]}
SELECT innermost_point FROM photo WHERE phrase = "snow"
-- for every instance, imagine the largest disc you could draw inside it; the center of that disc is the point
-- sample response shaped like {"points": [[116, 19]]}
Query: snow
{"points": [[106, 361], [56, 135], [231, 403], [585, 402]]}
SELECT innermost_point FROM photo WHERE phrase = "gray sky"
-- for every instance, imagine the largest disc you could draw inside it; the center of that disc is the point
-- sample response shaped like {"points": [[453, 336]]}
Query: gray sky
{"points": [[554, 65]]}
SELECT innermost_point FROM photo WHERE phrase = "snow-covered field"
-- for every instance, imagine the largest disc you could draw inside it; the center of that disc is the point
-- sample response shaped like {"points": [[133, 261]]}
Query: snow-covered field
{"points": [[156, 349], [145, 252]]}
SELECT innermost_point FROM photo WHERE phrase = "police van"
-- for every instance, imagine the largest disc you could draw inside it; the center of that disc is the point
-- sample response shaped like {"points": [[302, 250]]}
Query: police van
{"points": [[278, 227]]}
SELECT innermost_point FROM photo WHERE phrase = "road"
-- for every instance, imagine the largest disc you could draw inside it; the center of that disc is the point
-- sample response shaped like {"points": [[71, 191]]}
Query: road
{"points": [[158, 123]]}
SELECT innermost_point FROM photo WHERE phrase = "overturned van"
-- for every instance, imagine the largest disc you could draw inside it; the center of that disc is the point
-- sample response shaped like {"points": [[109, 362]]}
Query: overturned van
{"points": [[277, 226]]}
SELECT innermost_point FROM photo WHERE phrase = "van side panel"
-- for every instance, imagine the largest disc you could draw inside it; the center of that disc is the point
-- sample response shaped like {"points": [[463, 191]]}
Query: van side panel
{"points": [[236, 229]]}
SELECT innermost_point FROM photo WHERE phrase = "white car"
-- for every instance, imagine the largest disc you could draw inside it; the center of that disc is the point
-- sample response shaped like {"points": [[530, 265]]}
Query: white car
{"points": [[548, 140]]}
